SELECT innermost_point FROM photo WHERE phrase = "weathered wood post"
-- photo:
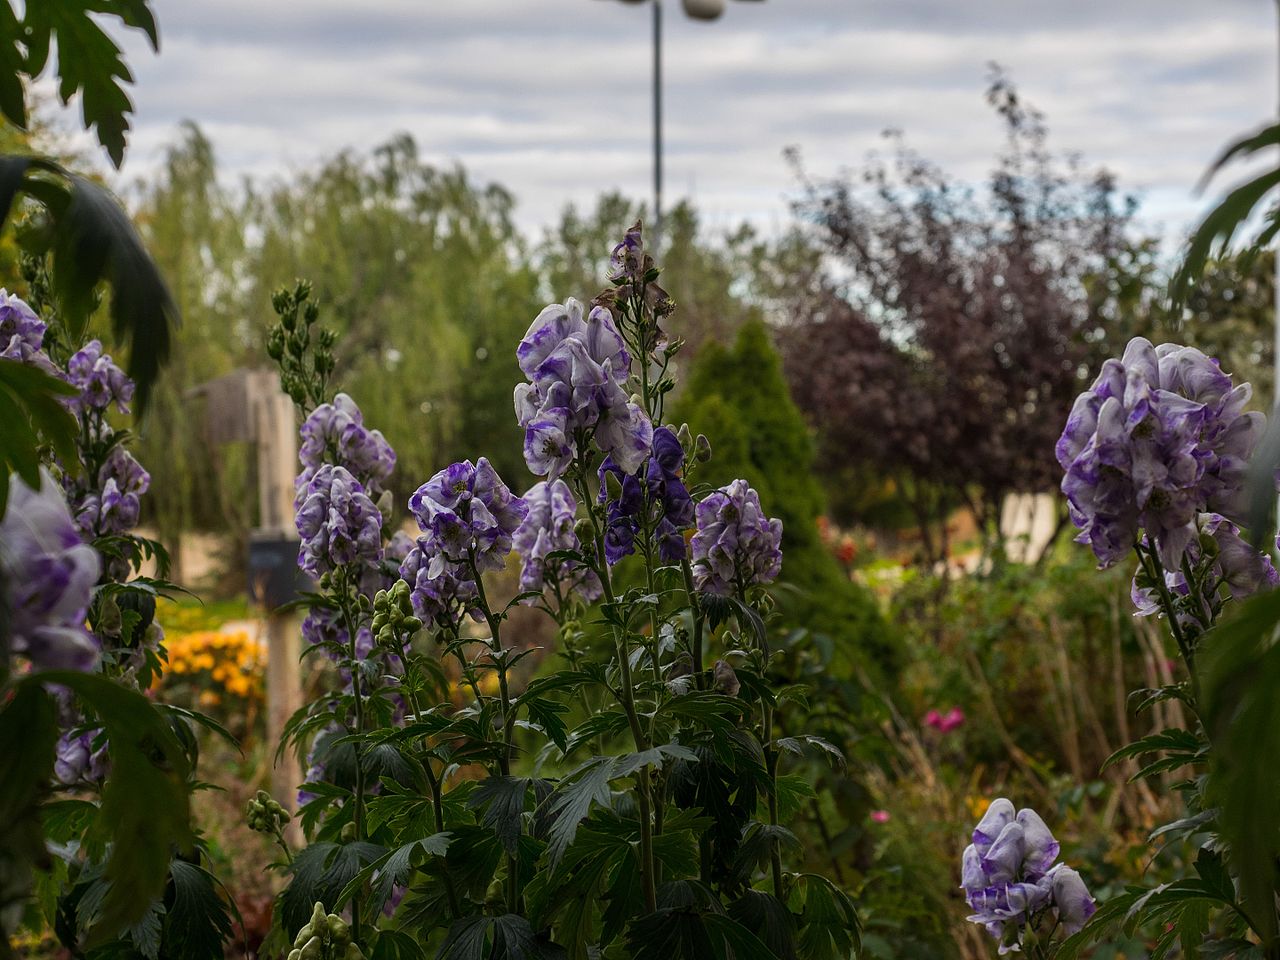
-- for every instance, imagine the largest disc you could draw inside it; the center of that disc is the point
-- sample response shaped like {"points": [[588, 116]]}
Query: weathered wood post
{"points": [[249, 405]]}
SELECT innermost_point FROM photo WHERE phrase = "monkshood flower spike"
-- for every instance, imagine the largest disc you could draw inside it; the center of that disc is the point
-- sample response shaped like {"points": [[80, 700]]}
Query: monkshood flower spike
{"points": [[1161, 437], [1012, 882]]}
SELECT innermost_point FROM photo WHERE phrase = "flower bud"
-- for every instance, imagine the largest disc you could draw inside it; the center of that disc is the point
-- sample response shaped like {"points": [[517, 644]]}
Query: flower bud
{"points": [[313, 949], [311, 313], [726, 681], [338, 930], [305, 934], [352, 953], [685, 436], [348, 833], [702, 448], [582, 529]]}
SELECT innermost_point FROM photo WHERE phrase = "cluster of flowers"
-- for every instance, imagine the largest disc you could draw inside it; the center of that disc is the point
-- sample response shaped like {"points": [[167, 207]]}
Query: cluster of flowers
{"points": [[735, 544], [1232, 562], [468, 518], [47, 572], [232, 660], [953, 719], [577, 371], [661, 496], [547, 528], [335, 434], [1161, 437], [1010, 879]]}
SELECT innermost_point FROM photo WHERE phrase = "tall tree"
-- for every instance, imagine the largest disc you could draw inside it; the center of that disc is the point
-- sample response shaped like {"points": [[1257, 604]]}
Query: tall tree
{"points": [[950, 336]]}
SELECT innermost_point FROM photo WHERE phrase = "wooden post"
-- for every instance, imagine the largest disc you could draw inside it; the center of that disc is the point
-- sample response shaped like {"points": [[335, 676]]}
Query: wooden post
{"points": [[276, 440]]}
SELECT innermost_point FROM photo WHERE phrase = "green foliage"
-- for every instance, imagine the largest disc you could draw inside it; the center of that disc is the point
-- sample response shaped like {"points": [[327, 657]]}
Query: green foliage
{"points": [[738, 397], [37, 418], [1240, 672], [93, 241]]}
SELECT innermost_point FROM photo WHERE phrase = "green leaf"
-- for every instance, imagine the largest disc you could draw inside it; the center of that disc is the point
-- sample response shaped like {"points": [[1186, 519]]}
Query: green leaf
{"points": [[395, 869], [95, 240], [503, 800], [89, 62], [321, 873], [28, 734], [572, 801], [1239, 674], [829, 924], [196, 922], [769, 919], [506, 937], [13, 103], [145, 812]]}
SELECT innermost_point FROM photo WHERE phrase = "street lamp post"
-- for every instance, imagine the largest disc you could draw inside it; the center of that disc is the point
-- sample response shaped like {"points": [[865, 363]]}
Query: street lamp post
{"points": [[696, 10]]}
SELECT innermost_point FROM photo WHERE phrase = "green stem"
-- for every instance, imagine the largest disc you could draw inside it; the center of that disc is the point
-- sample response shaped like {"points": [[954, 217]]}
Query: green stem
{"points": [[692, 596], [508, 717], [643, 784], [1156, 571], [771, 765], [348, 586], [437, 808]]}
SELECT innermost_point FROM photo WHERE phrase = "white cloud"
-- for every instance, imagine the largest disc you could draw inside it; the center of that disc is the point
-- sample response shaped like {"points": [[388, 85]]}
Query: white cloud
{"points": [[551, 97]]}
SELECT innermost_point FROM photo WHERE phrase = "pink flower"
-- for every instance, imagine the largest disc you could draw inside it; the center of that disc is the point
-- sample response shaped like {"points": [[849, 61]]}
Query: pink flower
{"points": [[880, 816], [954, 718], [933, 719]]}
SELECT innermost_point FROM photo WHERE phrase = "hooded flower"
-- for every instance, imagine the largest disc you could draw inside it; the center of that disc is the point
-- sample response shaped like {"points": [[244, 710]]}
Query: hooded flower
{"points": [[735, 545], [577, 369], [1160, 437], [21, 331], [113, 506], [546, 529], [468, 518], [467, 513], [101, 382], [335, 433], [1235, 566], [47, 573], [337, 522], [76, 759], [1009, 876]]}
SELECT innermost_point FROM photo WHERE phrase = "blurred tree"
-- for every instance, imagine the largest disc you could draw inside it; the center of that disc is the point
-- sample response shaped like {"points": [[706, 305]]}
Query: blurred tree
{"points": [[737, 396], [423, 273], [946, 342], [197, 232]]}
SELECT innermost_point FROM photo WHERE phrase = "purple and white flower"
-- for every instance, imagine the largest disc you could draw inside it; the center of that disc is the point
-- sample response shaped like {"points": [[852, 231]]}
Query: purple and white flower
{"points": [[21, 331], [547, 528], [47, 573], [735, 546], [100, 381], [1160, 437], [577, 369], [338, 523], [1010, 878], [335, 433]]}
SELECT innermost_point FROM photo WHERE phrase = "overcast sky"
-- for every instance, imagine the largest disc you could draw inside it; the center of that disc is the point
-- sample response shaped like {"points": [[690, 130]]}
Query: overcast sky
{"points": [[551, 98]]}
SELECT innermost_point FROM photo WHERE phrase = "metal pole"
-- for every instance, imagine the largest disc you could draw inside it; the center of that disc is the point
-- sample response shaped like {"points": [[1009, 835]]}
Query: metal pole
{"points": [[657, 124]]}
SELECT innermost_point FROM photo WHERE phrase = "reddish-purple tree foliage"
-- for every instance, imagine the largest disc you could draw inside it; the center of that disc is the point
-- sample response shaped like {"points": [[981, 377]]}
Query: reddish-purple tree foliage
{"points": [[952, 327]]}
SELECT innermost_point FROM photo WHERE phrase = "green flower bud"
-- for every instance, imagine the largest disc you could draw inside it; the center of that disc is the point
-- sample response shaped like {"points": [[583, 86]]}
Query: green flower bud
{"points": [[313, 950], [318, 916], [348, 832], [338, 929], [702, 448], [352, 953], [412, 624], [294, 955], [685, 436], [305, 934], [311, 313]]}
